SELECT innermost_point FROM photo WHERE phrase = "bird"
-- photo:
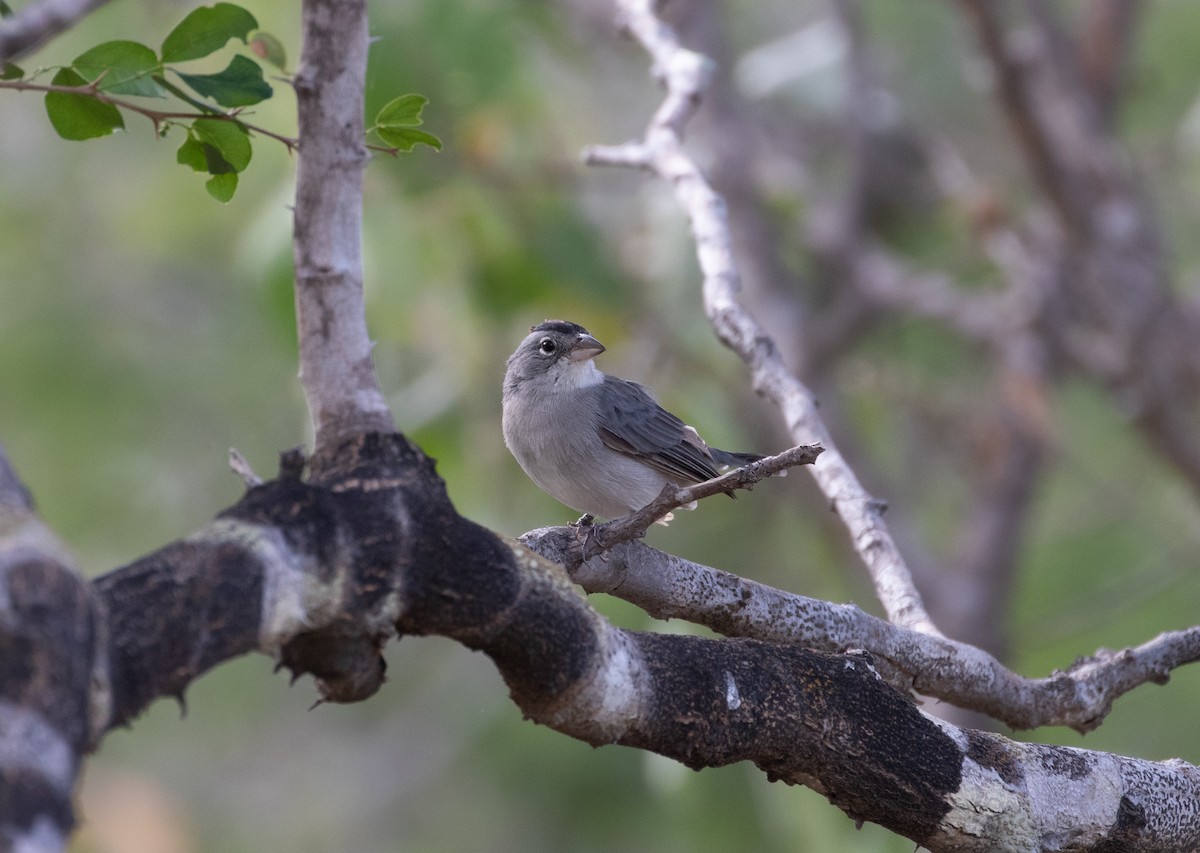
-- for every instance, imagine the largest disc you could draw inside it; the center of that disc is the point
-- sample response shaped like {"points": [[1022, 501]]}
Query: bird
{"points": [[597, 443]]}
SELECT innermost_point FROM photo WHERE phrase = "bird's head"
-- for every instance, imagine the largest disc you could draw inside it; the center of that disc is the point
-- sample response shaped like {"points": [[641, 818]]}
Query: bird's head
{"points": [[556, 351]]}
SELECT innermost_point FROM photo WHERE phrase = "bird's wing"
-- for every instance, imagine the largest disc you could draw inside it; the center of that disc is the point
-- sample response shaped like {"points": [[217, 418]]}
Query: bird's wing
{"points": [[632, 423]]}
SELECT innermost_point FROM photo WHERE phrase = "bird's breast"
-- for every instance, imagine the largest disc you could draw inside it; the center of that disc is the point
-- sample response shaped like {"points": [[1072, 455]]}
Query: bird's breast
{"points": [[559, 447]]}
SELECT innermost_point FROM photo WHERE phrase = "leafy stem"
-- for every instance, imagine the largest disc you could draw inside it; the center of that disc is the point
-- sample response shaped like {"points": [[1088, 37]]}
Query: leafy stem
{"points": [[86, 99], [156, 117]]}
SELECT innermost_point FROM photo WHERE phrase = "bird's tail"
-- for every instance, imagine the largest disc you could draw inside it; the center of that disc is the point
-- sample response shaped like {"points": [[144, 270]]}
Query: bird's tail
{"points": [[734, 460], [729, 459]]}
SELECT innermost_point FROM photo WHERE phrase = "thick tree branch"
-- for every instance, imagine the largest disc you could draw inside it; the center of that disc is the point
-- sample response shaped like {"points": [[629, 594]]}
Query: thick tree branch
{"points": [[336, 367], [685, 75], [320, 572]]}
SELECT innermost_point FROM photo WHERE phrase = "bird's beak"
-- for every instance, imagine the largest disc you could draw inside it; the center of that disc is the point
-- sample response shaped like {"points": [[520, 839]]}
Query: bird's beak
{"points": [[586, 347]]}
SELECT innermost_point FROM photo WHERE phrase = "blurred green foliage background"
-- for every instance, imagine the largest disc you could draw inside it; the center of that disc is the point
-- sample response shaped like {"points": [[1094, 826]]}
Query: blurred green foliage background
{"points": [[145, 329]]}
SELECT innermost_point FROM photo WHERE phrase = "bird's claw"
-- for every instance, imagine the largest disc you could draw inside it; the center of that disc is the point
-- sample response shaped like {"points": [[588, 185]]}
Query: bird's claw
{"points": [[585, 530]]}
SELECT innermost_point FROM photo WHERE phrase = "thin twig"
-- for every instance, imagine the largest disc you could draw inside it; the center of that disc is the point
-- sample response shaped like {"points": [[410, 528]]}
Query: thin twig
{"points": [[635, 525], [239, 465], [156, 117]]}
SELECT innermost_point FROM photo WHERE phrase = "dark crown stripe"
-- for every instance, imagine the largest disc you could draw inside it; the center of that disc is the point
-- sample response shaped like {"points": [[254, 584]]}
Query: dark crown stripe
{"points": [[560, 326]]}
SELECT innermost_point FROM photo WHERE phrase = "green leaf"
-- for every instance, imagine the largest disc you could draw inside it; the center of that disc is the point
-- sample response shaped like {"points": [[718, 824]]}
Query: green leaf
{"points": [[206, 30], [8, 71], [126, 67], [239, 85], [395, 123], [227, 138], [79, 116], [191, 153], [404, 138], [5, 10], [222, 187], [404, 111], [266, 46], [221, 148]]}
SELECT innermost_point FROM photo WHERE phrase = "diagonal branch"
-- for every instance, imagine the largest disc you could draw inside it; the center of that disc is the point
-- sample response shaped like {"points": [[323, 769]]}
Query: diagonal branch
{"points": [[635, 525], [38, 22], [685, 75], [669, 587]]}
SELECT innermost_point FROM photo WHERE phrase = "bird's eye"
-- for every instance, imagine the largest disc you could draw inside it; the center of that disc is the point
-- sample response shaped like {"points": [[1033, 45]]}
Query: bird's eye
{"points": [[546, 347]]}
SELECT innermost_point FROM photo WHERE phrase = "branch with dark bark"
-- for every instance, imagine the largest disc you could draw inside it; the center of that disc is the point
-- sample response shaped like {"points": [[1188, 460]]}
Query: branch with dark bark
{"points": [[319, 573], [52, 675]]}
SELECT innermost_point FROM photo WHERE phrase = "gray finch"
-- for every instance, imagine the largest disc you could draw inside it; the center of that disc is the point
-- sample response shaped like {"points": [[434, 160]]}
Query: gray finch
{"points": [[599, 444]]}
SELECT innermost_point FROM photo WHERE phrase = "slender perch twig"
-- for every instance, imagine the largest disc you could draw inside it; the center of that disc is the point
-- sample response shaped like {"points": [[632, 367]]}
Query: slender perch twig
{"points": [[635, 525]]}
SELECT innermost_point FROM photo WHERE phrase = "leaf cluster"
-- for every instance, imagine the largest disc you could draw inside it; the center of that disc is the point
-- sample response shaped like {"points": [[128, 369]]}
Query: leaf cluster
{"points": [[217, 143], [397, 121], [85, 99]]}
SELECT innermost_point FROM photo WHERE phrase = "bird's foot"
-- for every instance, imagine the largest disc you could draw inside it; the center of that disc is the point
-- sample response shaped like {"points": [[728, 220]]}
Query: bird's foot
{"points": [[585, 530]]}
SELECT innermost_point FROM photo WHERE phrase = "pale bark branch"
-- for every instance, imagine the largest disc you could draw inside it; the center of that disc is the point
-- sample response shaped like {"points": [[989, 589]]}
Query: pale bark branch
{"points": [[685, 75], [336, 368], [669, 587]]}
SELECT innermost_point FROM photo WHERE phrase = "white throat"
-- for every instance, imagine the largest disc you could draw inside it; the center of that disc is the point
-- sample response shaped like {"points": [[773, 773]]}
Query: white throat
{"points": [[579, 374]]}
